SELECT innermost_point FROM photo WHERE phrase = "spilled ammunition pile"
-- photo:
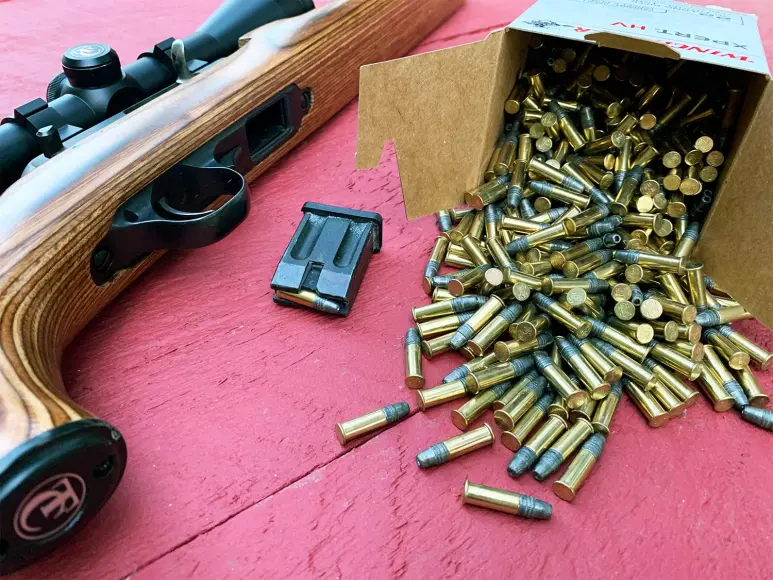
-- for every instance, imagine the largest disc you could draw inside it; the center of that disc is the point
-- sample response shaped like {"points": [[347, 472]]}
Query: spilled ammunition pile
{"points": [[575, 281]]}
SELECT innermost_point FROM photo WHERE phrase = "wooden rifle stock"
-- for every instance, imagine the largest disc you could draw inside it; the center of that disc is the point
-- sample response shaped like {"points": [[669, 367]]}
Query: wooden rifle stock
{"points": [[53, 218]]}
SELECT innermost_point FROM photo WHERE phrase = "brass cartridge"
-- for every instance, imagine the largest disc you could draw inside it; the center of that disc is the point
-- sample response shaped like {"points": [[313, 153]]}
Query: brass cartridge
{"points": [[668, 400], [609, 371], [437, 345], [413, 376], [676, 360], [370, 422], [485, 313], [552, 459], [497, 373], [508, 502], [718, 316], [515, 437], [730, 384], [757, 397], [435, 259], [310, 299], [507, 416], [597, 387], [580, 468], [618, 339], [567, 389], [686, 394], [605, 410], [455, 447], [506, 351], [447, 307], [528, 330], [758, 354], [479, 343], [631, 368], [713, 389], [465, 415], [655, 415], [442, 393], [581, 328], [529, 452], [736, 357]]}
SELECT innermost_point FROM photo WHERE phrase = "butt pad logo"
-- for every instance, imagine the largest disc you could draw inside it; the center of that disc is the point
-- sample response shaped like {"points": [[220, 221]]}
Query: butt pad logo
{"points": [[50, 507]]}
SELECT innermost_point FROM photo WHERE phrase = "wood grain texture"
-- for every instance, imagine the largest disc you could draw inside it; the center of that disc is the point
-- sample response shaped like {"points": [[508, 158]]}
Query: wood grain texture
{"points": [[228, 401], [55, 216]]}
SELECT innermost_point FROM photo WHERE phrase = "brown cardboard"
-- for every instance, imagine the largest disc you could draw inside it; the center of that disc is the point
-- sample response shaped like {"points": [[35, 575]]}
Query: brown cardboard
{"points": [[622, 42], [738, 235], [444, 111]]}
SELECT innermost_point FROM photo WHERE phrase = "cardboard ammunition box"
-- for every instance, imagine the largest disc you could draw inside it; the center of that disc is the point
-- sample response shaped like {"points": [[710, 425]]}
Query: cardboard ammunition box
{"points": [[444, 110]]}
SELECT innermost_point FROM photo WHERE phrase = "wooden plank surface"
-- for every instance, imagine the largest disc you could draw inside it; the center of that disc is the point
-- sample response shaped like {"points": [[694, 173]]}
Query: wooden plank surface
{"points": [[228, 401]]}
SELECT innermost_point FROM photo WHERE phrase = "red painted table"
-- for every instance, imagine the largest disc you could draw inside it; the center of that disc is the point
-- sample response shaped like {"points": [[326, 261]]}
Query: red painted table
{"points": [[228, 401]]}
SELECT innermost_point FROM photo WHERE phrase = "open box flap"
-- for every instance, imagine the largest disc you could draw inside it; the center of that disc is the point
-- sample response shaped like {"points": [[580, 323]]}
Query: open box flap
{"points": [[443, 111], [738, 235], [711, 35]]}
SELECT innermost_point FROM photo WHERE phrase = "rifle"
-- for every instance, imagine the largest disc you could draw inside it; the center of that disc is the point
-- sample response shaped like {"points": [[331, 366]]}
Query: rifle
{"points": [[90, 215]]}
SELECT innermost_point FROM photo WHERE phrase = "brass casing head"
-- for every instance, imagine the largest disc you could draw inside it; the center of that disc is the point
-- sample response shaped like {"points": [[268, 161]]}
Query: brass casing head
{"points": [[464, 282], [667, 330], [735, 357], [528, 330]]}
